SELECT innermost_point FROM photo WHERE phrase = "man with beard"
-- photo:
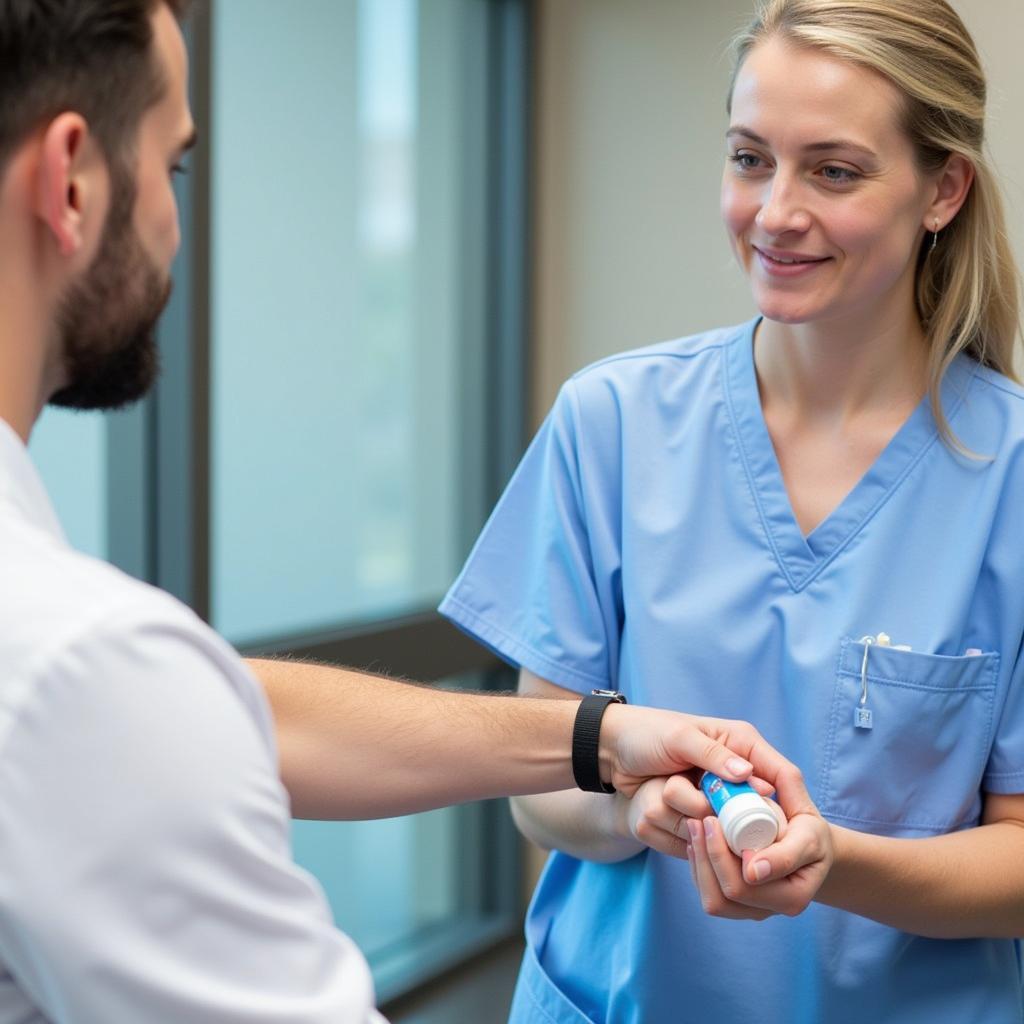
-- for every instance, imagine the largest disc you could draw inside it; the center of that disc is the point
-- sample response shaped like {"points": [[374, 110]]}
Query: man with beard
{"points": [[145, 870], [107, 321]]}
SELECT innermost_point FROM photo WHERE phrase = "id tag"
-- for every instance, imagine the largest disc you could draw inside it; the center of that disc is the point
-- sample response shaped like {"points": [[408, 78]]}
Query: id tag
{"points": [[861, 712]]}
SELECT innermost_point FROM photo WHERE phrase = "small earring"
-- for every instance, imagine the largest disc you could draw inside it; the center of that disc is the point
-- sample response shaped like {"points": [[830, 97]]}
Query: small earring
{"points": [[935, 237]]}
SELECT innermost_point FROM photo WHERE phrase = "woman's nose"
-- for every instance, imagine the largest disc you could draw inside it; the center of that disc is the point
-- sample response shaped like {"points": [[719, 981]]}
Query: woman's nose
{"points": [[782, 209]]}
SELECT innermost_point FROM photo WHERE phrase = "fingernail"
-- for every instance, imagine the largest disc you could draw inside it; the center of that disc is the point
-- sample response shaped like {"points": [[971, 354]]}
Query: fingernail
{"points": [[709, 826], [693, 827], [738, 766], [762, 869]]}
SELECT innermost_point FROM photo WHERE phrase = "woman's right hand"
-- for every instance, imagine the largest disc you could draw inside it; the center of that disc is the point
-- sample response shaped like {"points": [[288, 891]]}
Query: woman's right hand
{"points": [[659, 811], [650, 820]]}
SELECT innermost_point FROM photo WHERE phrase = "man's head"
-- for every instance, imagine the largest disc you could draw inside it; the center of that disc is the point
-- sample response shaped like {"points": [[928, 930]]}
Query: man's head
{"points": [[98, 88]]}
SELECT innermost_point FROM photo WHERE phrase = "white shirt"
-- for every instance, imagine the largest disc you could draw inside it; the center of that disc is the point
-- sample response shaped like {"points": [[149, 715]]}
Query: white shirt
{"points": [[145, 867]]}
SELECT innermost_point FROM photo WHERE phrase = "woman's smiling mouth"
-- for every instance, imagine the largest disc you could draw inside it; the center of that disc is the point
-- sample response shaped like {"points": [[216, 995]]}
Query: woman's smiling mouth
{"points": [[787, 264]]}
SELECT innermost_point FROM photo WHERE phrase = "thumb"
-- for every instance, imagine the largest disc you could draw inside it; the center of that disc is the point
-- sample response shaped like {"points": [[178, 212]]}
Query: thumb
{"points": [[791, 792], [695, 747]]}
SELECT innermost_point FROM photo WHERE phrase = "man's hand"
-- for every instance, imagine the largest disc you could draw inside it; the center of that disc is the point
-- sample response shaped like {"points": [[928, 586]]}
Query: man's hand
{"points": [[639, 743]]}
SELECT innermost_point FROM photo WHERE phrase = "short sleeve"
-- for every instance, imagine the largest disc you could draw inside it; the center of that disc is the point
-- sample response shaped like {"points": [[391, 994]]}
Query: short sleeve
{"points": [[542, 586], [145, 865]]}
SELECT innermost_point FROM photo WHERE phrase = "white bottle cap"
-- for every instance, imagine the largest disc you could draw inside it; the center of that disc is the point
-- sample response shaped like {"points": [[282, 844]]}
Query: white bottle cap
{"points": [[748, 823]]}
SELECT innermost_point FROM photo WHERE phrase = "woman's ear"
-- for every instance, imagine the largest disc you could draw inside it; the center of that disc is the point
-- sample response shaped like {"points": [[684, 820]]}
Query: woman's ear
{"points": [[951, 191]]}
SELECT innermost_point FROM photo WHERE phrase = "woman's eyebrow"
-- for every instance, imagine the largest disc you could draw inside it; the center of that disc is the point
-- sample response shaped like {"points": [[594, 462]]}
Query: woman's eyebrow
{"points": [[812, 147]]}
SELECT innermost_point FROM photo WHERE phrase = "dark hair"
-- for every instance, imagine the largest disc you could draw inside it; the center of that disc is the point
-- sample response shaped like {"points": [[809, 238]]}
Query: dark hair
{"points": [[93, 57]]}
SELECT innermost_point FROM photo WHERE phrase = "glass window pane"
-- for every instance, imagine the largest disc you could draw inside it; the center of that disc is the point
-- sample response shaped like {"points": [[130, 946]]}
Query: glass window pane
{"points": [[385, 879], [400, 885], [70, 450], [346, 260]]}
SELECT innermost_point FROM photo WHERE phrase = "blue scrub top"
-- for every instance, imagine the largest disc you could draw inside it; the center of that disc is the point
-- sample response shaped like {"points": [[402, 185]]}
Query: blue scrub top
{"points": [[646, 543]]}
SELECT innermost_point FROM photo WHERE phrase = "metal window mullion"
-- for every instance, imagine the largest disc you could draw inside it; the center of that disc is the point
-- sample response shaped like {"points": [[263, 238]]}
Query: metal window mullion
{"points": [[181, 508], [508, 304], [509, 237]]}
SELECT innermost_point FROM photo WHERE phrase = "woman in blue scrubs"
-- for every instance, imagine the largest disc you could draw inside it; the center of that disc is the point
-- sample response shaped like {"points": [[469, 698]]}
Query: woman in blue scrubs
{"points": [[811, 522]]}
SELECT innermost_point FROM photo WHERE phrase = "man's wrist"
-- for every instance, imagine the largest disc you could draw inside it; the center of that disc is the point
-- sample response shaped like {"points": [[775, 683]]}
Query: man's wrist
{"points": [[586, 741], [608, 742]]}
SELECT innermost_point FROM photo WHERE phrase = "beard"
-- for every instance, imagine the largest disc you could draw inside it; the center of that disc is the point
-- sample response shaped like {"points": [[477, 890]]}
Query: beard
{"points": [[107, 320]]}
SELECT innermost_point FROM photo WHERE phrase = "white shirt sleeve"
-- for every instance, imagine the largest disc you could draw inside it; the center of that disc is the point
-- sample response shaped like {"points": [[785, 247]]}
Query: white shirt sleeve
{"points": [[145, 863]]}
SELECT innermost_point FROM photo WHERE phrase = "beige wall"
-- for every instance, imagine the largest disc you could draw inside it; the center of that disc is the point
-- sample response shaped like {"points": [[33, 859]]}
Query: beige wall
{"points": [[630, 117]]}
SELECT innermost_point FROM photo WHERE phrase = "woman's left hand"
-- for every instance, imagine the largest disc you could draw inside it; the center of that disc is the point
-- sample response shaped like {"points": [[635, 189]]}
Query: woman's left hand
{"points": [[781, 879]]}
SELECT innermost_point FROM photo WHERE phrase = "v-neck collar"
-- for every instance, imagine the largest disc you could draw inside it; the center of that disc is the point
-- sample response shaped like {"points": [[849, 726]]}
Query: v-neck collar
{"points": [[801, 558]]}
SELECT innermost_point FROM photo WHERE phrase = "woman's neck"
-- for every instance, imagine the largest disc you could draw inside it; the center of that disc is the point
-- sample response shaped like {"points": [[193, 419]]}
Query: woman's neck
{"points": [[839, 371]]}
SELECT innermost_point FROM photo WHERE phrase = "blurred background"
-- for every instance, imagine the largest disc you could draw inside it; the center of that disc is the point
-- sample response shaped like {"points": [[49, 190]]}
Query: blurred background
{"points": [[406, 223]]}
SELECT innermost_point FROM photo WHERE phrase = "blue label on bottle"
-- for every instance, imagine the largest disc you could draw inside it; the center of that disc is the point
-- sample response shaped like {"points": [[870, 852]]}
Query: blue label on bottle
{"points": [[719, 790]]}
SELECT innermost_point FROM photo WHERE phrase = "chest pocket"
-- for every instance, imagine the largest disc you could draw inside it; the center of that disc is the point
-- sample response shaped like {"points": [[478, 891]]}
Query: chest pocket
{"points": [[919, 765]]}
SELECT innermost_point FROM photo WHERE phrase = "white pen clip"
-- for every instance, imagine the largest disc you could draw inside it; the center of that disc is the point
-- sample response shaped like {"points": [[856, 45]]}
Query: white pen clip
{"points": [[862, 717], [861, 712]]}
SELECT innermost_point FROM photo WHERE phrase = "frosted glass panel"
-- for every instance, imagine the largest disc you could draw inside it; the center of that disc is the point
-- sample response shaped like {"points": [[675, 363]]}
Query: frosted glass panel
{"points": [[69, 450], [341, 258]]}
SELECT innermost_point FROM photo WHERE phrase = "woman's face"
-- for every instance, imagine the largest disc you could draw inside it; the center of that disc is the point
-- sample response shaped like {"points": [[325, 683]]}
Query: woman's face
{"points": [[821, 195]]}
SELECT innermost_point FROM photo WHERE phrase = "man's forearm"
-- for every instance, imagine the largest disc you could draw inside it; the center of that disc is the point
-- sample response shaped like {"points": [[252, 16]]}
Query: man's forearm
{"points": [[966, 884], [360, 746]]}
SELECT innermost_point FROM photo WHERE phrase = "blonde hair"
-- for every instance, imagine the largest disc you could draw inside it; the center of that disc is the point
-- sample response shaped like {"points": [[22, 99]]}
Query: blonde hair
{"points": [[968, 287]]}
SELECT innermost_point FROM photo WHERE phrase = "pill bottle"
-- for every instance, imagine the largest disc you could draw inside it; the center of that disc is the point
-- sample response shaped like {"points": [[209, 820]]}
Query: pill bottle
{"points": [[748, 823]]}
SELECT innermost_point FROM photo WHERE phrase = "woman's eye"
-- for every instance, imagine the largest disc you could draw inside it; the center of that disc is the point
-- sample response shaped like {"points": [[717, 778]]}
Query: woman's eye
{"points": [[839, 175], [745, 161]]}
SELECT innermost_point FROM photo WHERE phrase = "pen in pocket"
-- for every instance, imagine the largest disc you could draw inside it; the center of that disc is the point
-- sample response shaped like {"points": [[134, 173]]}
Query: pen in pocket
{"points": [[863, 717]]}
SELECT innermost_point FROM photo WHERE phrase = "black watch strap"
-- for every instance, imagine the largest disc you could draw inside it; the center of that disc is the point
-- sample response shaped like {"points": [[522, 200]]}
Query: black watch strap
{"points": [[586, 733]]}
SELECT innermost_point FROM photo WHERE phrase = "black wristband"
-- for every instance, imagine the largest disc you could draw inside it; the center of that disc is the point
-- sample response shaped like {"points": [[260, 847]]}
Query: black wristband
{"points": [[586, 732]]}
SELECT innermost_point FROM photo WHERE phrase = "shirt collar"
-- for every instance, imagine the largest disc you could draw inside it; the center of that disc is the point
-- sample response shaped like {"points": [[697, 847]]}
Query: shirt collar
{"points": [[22, 487]]}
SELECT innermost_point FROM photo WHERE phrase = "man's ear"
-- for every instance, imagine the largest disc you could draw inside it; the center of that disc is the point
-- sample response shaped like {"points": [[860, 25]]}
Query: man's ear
{"points": [[70, 183]]}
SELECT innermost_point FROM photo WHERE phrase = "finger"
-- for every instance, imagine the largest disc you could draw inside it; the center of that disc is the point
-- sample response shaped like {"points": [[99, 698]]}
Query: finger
{"points": [[702, 878], [755, 873], [780, 816], [749, 744], [730, 873], [643, 806], [800, 847], [656, 824], [712, 898], [696, 743], [792, 792], [763, 786], [668, 820], [693, 868], [727, 868], [684, 798], [667, 842]]}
